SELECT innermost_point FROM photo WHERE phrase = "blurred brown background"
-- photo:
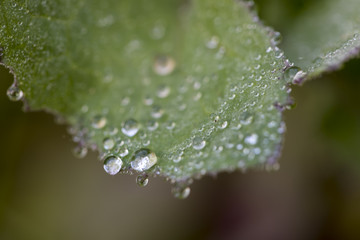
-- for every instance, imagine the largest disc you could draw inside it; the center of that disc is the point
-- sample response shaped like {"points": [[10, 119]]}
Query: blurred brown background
{"points": [[46, 193]]}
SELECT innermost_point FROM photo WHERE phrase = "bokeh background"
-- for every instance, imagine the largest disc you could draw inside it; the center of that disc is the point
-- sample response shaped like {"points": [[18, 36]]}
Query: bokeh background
{"points": [[47, 193]]}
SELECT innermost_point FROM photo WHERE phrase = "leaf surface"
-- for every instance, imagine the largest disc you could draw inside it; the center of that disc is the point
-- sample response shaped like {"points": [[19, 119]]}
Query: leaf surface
{"points": [[199, 83]]}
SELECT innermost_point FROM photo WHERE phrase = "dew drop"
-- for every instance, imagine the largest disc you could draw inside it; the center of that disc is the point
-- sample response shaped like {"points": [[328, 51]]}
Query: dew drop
{"points": [[290, 73], [148, 101], [223, 125], [213, 42], [164, 65], [170, 125], [14, 93], [142, 180], [123, 152], [108, 143], [152, 125], [157, 111], [163, 91], [277, 38], [80, 151], [246, 118], [111, 131], [181, 192], [251, 139], [112, 165], [130, 127], [198, 143], [98, 122], [143, 160]]}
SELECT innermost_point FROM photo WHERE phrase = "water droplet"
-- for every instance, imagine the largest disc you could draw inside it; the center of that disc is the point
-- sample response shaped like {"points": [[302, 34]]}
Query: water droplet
{"points": [[163, 91], [198, 143], [98, 122], [290, 73], [181, 192], [277, 38], [164, 65], [142, 180], [123, 152], [80, 151], [213, 42], [111, 131], [246, 118], [152, 125], [112, 165], [157, 111], [251, 139], [14, 93], [143, 160], [223, 125], [130, 127], [170, 125], [108, 143], [148, 101]]}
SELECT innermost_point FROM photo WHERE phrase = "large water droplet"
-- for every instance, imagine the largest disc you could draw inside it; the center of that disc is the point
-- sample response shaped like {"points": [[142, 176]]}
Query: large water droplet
{"points": [[164, 65], [14, 93], [142, 180], [98, 122], [143, 160], [130, 127], [198, 143], [112, 165]]}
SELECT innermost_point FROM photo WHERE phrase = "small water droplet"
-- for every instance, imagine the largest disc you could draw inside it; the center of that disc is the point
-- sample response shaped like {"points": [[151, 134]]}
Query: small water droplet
{"points": [[80, 151], [130, 127], [123, 152], [111, 131], [198, 143], [213, 42], [112, 165], [164, 65], [142, 180], [15, 93], [143, 160], [277, 38], [181, 192], [246, 118], [290, 73], [163, 91], [148, 101], [108, 143], [157, 111], [223, 125], [152, 125], [170, 125], [251, 139], [98, 122]]}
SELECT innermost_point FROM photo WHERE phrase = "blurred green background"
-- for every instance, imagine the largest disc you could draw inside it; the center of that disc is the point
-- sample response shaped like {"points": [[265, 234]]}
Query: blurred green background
{"points": [[46, 193]]}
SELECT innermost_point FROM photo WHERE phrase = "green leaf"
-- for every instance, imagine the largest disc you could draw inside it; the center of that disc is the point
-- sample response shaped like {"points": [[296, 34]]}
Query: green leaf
{"points": [[199, 83], [324, 36]]}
